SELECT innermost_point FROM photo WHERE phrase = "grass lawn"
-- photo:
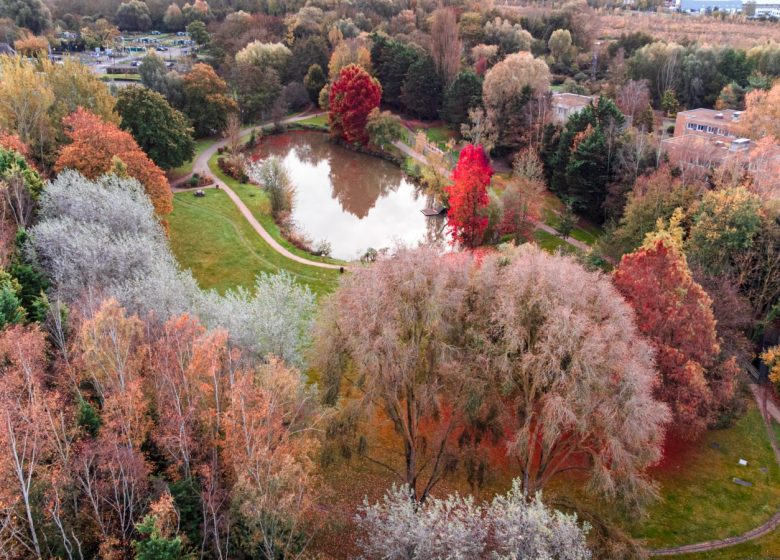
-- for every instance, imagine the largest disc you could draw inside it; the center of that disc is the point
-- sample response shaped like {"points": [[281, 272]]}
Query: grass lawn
{"points": [[584, 233], [209, 236], [551, 243], [256, 200], [319, 120], [439, 135], [200, 145], [700, 500]]}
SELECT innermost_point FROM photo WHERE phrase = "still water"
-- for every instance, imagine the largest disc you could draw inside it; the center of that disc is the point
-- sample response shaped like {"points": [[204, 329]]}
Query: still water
{"points": [[353, 201]]}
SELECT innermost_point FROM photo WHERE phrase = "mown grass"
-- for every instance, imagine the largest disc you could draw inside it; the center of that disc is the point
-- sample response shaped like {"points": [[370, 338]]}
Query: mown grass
{"points": [[211, 237], [581, 232], [551, 243], [700, 500], [120, 77]]}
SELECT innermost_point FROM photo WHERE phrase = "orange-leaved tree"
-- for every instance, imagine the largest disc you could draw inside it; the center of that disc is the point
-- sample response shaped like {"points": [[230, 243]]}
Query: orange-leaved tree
{"points": [[98, 147], [675, 313], [468, 196], [353, 95]]}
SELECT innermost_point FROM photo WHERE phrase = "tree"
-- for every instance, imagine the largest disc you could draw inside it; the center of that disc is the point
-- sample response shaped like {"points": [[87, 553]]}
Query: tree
{"points": [[391, 60], [314, 81], [480, 130], [508, 37], [468, 196], [307, 52], [580, 162], [521, 202], [160, 130], [675, 313], [271, 174], [173, 18], [669, 103], [508, 89], [197, 30], [97, 147], [568, 379], [383, 127], [31, 14], [32, 46], [133, 16], [265, 55], [385, 320], [560, 44], [272, 446], [446, 46], [25, 441], [206, 101], [510, 526], [463, 94], [761, 114], [725, 223], [422, 90], [160, 526], [257, 89], [567, 221], [632, 99], [352, 97], [346, 53]]}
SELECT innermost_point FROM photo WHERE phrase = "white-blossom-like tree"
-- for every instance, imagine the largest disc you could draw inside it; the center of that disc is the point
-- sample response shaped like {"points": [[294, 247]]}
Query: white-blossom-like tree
{"points": [[509, 527]]}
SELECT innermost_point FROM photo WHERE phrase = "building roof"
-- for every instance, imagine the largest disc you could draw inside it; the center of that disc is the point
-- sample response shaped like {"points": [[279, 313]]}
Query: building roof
{"points": [[711, 116], [702, 150], [572, 100], [704, 4]]}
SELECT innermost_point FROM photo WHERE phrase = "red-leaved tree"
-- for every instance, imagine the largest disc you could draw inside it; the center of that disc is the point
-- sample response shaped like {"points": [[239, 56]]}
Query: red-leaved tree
{"points": [[675, 313], [98, 147], [468, 196], [353, 96]]}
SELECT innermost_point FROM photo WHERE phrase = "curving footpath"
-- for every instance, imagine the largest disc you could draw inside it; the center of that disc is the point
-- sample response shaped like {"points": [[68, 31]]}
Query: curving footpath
{"points": [[201, 166], [768, 412]]}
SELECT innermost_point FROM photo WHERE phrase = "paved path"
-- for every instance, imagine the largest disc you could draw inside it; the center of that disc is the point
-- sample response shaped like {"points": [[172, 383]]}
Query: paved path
{"points": [[201, 166], [538, 225], [768, 412]]}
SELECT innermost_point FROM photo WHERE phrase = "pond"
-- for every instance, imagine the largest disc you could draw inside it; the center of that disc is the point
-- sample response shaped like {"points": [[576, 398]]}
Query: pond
{"points": [[353, 201]]}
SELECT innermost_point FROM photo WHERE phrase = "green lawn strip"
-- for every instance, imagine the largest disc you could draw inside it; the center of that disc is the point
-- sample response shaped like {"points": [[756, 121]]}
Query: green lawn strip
{"points": [[318, 120], [552, 243], [211, 237], [201, 144], [439, 135], [120, 77], [255, 199], [700, 500], [579, 233]]}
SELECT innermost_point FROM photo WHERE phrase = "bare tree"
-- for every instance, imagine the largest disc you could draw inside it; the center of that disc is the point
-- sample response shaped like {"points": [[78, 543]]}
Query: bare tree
{"points": [[632, 98]]}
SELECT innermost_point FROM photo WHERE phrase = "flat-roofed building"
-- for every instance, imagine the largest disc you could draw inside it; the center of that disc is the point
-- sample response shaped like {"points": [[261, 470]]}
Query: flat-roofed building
{"points": [[720, 125]]}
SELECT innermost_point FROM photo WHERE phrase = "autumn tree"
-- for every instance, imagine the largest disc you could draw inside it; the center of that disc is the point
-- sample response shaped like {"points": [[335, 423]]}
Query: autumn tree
{"points": [[762, 113], [560, 45], [385, 323], [446, 46], [347, 53], [384, 128], [160, 130], [633, 98], [391, 60], [25, 440], [269, 432], [314, 81], [468, 196], [568, 378], [509, 90], [99, 147], [675, 313], [352, 97], [523, 195], [31, 14], [206, 100]]}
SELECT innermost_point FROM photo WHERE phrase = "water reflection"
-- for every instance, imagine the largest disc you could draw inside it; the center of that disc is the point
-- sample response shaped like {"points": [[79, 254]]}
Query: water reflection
{"points": [[351, 200]]}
